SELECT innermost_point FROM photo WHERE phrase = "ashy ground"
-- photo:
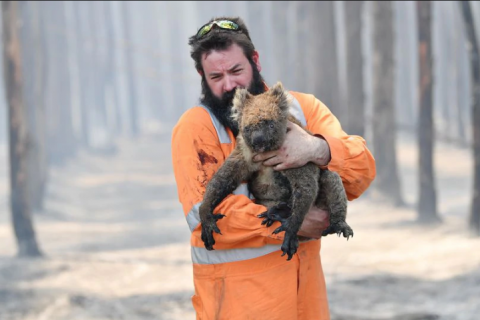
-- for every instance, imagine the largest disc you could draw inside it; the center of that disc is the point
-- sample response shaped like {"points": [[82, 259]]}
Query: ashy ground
{"points": [[117, 246]]}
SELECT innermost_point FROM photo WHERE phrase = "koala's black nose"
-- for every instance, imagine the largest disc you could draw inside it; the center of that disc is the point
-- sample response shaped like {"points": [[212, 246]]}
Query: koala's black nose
{"points": [[258, 139]]}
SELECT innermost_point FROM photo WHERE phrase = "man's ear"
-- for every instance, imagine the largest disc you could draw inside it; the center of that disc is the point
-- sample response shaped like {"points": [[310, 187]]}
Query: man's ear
{"points": [[256, 60], [200, 72]]}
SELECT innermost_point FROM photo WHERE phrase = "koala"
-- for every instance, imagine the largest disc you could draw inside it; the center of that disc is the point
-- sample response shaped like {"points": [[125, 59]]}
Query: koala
{"points": [[287, 194]]}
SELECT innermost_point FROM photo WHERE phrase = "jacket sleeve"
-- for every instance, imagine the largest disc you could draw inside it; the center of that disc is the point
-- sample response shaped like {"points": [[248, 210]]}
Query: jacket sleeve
{"points": [[350, 157], [196, 156]]}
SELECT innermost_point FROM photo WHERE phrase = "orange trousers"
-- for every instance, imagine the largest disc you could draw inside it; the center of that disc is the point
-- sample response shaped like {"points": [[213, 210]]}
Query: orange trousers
{"points": [[264, 288]]}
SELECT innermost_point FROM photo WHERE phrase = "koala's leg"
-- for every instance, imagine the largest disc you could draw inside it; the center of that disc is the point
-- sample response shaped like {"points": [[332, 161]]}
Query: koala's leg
{"points": [[332, 196], [233, 171], [304, 185]]}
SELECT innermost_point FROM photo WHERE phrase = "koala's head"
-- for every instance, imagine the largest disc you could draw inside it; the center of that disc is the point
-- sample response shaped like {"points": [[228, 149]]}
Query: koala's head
{"points": [[262, 119]]}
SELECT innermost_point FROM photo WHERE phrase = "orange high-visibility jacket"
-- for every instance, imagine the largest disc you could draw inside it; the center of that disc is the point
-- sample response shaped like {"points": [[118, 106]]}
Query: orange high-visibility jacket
{"points": [[246, 277]]}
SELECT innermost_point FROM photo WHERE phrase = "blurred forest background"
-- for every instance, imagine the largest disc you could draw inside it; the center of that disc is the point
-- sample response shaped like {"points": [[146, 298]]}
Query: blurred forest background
{"points": [[91, 90]]}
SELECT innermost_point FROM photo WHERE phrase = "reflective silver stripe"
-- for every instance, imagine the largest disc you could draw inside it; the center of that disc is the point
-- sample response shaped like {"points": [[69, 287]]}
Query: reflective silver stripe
{"points": [[297, 112], [203, 256], [221, 131], [193, 217]]}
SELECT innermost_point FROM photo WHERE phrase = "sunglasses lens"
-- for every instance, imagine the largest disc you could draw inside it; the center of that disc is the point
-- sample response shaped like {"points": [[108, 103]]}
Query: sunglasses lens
{"points": [[227, 25], [203, 31], [224, 24]]}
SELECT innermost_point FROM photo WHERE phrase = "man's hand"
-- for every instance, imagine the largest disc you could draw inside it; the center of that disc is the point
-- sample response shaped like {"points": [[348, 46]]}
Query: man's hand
{"points": [[298, 148], [314, 223]]}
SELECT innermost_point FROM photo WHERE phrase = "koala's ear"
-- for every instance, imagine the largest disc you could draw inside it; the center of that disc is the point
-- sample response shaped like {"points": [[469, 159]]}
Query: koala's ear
{"points": [[277, 89], [241, 97], [282, 97]]}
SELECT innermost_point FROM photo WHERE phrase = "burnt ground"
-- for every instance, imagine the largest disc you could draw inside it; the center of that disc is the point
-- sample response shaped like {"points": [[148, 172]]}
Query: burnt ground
{"points": [[116, 245]]}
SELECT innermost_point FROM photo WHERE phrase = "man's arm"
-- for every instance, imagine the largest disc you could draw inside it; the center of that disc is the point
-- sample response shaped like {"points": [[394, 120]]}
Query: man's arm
{"points": [[331, 148]]}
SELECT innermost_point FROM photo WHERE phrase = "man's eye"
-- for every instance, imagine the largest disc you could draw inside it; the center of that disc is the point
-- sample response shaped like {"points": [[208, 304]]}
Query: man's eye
{"points": [[237, 71]]}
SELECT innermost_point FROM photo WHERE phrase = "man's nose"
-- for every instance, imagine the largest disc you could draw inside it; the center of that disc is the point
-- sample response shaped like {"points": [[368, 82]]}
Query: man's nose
{"points": [[229, 84]]}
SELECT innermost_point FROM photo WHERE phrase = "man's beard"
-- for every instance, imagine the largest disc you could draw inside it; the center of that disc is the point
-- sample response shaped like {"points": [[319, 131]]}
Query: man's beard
{"points": [[222, 107]]}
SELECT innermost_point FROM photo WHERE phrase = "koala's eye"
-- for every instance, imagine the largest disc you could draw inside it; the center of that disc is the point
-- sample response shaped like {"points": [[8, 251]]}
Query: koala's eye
{"points": [[272, 126], [247, 130]]}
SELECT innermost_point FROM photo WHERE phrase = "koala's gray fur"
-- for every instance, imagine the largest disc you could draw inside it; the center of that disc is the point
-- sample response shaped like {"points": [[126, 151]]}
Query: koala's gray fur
{"points": [[287, 194]]}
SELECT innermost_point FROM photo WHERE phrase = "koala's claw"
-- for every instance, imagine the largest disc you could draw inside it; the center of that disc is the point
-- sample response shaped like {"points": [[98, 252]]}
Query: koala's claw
{"points": [[208, 227], [280, 212], [290, 241], [290, 245], [266, 221], [339, 229], [279, 229]]}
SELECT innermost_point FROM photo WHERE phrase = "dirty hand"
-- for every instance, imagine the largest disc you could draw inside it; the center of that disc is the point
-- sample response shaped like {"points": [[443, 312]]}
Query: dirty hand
{"points": [[298, 148], [314, 223]]}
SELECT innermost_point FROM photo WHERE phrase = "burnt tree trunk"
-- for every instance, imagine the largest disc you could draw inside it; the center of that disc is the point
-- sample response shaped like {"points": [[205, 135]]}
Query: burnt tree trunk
{"points": [[387, 184], [18, 135], [355, 94], [60, 136], [110, 69], [301, 72], [130, 67], [280, 16], [327, 87], [41, 166], [81, 34], [474, 220], [461, 78], [98, 63], [28, 37], [427, 198], [33, 65]]}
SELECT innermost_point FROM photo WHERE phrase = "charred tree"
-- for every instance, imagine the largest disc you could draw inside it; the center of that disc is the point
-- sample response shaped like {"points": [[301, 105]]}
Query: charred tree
{"points": [[110, 68], [32, 65], [40, 166], [301, 73], [98, 65], [327, 81], [427, 198], [19, 144], [61, 138], [84, 83], [280, 44], [129, 64], [355, 93], [474, 220], [387, 184]]}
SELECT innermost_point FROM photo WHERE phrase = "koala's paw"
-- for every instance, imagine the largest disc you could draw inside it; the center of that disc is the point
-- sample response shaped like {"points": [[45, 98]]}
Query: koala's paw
{"points": [[290, 240], [290, 244], [208, 227], [280, 212], [339, 228]]}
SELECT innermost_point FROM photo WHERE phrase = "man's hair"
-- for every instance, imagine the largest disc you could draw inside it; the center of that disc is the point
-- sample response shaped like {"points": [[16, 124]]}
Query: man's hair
{"points": [[221, 39]]}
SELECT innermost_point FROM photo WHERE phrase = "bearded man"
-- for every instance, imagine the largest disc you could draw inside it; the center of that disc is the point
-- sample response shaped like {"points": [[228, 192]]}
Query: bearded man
{"points": [[246, 277]]}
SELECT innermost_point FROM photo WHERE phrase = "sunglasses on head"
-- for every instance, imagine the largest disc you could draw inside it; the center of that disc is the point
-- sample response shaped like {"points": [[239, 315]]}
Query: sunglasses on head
{"points": [[223, 24]]}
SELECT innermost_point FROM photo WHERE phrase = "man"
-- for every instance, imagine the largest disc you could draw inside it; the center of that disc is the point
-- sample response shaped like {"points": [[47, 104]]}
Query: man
{"points": [[246, 277]]}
